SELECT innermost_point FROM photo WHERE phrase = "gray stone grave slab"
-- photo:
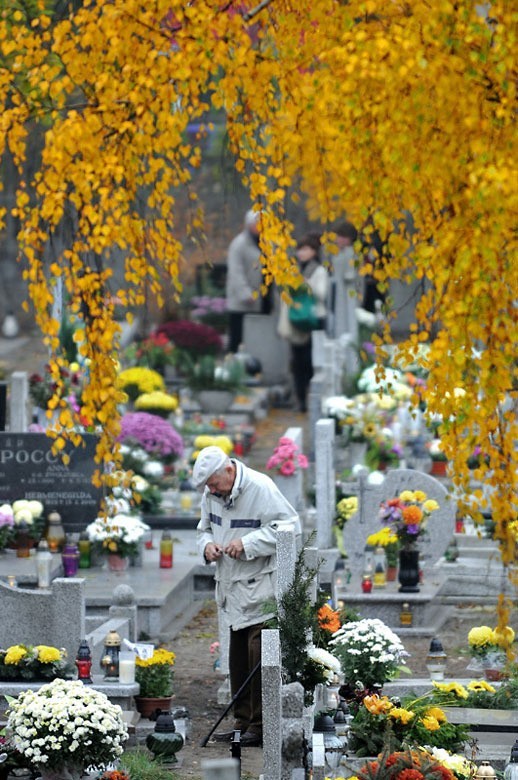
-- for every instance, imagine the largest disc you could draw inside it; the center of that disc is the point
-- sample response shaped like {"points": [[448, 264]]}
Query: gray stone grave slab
{"points": [[18, 402], [53, 617], [292, 696], [325, 481], [286, 556], [264, 343], [29, 470], [272, 703], [440, 525], [221, 769], [315, 395]]}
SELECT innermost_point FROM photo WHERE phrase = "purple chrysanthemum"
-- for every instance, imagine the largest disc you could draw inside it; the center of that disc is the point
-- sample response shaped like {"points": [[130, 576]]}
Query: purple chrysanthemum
{"points": [[156, 435]]}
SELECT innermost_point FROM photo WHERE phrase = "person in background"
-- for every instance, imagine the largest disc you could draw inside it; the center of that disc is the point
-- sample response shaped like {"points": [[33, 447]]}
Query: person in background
{"points": [[317, 278], [241, 512], [244, 278]]}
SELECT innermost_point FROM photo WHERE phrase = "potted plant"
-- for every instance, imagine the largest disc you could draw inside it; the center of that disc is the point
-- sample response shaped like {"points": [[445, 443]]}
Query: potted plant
{"points": [[210, 310], [117, 537], [6, 524], [38, 726], [439, 459], [489, 648], [370, 653], [194, 338], [345, 508], [155, 352], [138, 380], [407, 516], [25, 662], [214, 384], [157, 402], [156, 436], [28, 525], [387, 539], [155, 677]]}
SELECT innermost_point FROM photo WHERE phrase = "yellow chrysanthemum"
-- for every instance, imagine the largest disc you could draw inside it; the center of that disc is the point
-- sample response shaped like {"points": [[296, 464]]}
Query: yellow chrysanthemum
{"points": [[480, 685], [156, 400], [451, 687], [430, 505], [479, 636], [437, 713], [401, 714], [223, 442], [407, 495], [420, 496], [14, 655], [47, 654], [430, 723], [160, 657]]}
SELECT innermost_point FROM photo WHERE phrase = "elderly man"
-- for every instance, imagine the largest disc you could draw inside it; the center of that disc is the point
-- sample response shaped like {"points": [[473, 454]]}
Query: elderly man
{"points": [[241, 511]]}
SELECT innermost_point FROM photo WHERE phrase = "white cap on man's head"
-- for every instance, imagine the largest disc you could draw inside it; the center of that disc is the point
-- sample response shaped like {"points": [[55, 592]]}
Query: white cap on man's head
{"points": [[252, 218], [209, 460]]}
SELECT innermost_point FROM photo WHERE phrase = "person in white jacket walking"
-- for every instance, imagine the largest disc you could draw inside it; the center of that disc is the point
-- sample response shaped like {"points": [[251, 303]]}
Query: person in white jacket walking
{"points": [[241, 512]]}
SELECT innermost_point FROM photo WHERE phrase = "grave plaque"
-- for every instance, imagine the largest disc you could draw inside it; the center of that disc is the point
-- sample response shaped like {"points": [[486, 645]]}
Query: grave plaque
{"points": [[29, 470]]}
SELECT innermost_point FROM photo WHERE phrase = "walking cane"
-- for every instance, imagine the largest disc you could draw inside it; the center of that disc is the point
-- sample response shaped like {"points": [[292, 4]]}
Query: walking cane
{"points": [[204, 741]]}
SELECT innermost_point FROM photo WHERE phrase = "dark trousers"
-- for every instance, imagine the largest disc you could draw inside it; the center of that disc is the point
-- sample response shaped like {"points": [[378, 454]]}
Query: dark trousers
{"points": [[244, 655], [302, 369], [235, 330]]}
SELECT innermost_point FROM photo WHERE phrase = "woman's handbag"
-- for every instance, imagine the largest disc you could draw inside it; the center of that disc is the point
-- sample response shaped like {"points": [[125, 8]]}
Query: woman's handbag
{"points": [[302, 310]]}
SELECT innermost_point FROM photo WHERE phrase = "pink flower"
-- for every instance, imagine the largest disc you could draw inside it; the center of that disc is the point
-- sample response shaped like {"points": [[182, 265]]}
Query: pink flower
{"points": [[303, 461], [287, 468]]}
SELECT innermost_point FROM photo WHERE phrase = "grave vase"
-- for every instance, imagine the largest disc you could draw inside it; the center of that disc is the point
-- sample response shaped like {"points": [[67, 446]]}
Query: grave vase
{"points": [[61, 773], [409, 570], [357, 452], [117, 563]]}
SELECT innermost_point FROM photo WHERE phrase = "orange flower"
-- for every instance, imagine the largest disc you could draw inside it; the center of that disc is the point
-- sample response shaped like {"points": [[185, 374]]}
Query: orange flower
{"points": [[378, 705], [412, 515], [328, 619], [410, 774]]}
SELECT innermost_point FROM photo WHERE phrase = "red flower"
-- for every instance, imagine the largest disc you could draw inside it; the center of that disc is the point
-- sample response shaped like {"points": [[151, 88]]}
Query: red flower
{"points": [[409, 774]]}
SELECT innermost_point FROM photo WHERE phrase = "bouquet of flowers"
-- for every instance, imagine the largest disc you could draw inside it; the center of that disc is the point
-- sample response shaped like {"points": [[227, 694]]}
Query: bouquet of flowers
{"points": [[345, 508], [6, 524], [387, 539], [411, 764], [66, 724], [155, 352], [156, 436], [210, 310], [383, 451], [489, 647], [63, 379], [119, 534], [27, 519], [155, 674], [192, 337], [407, 515], [136, 459], [138, 380], [25, 662], [380, 721], [286, 458], [370, 653], [159, 403]]}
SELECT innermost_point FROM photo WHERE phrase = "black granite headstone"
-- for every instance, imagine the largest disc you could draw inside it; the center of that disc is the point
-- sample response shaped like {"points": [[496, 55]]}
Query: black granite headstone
{"points": [[29, 470]]}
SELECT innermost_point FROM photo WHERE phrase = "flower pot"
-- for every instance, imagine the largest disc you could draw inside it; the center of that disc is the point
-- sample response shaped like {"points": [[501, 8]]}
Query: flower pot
{"points": [[408, 571], [148, 705], [494, 675], [215, 401], [62, 773], [391, 573], [439, 468], [117, 563], [357, 452]]}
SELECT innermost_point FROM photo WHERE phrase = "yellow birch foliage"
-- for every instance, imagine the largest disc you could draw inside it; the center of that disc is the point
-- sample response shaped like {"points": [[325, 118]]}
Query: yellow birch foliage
{"points": [[380, 109]]}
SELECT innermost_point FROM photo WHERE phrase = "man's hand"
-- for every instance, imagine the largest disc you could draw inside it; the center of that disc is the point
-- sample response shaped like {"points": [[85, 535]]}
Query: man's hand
{"points": [[234, 548], [212, 552]]}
